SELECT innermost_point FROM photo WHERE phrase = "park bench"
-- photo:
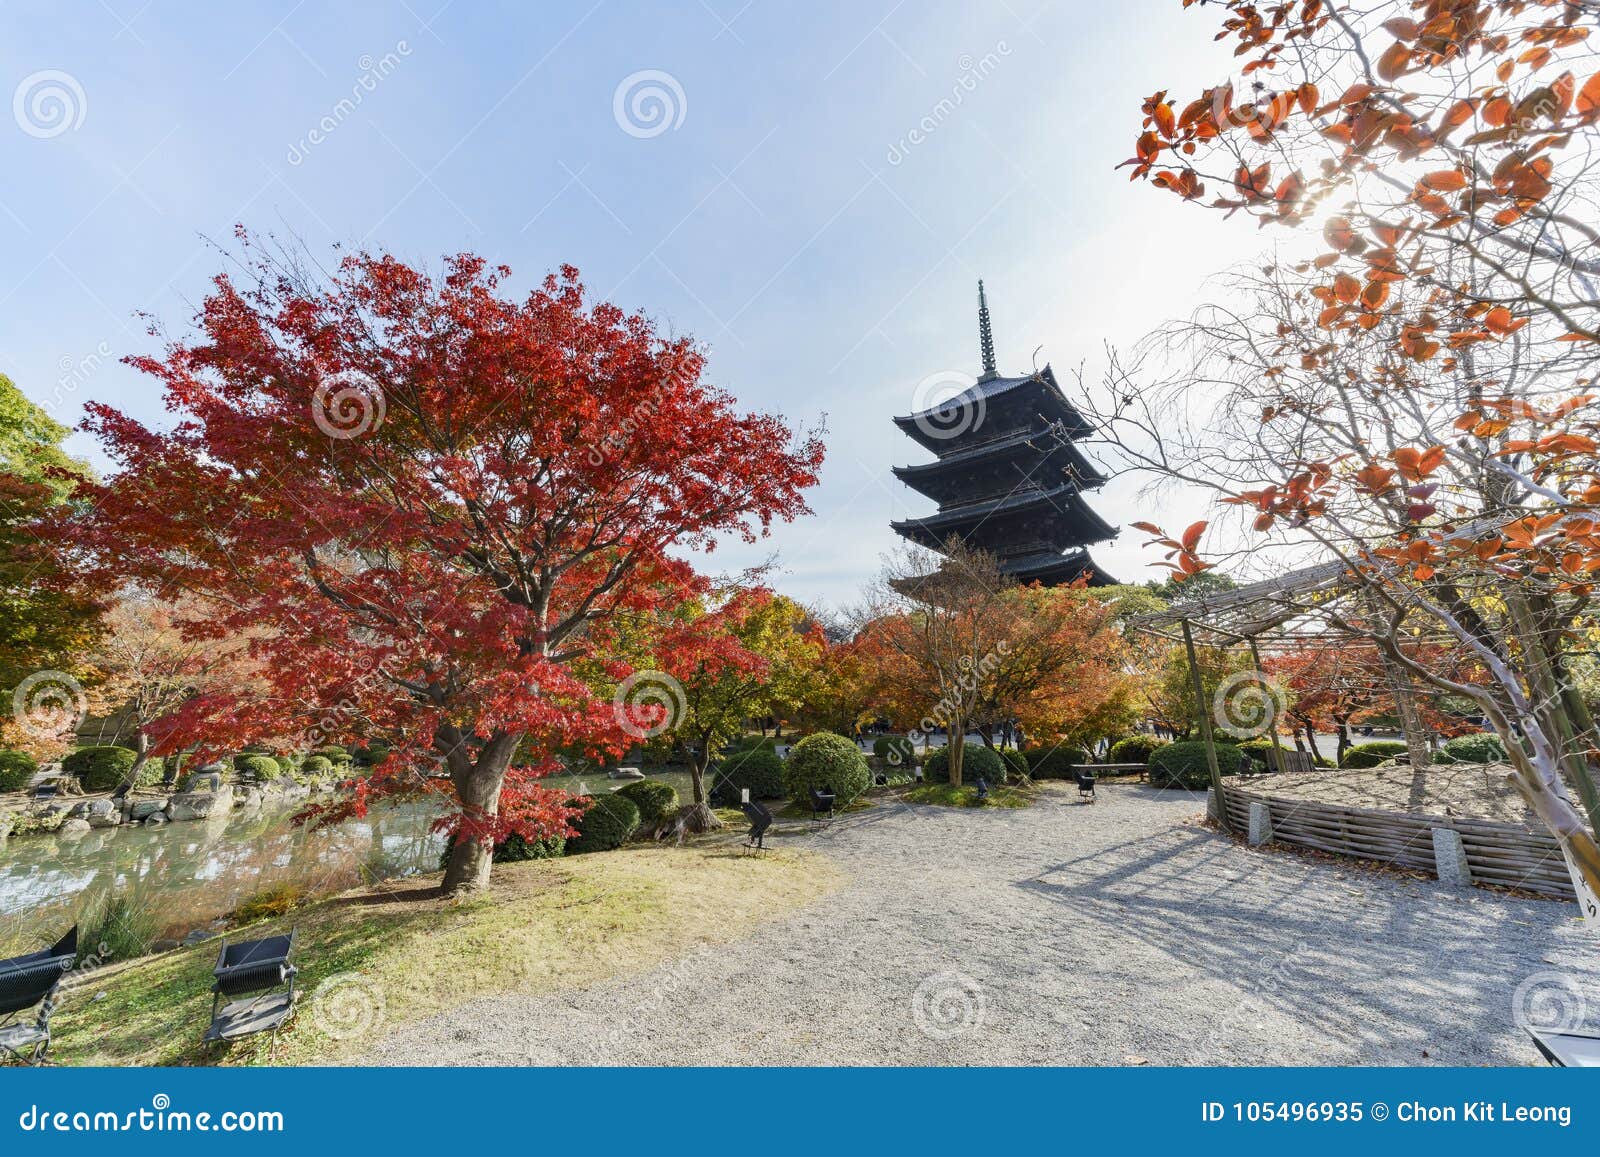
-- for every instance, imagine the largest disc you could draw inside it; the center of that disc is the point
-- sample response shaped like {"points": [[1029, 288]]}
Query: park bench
{"points": [[252, 966], [26, 981], [822, 800], [1284, 760], [760, 821]]}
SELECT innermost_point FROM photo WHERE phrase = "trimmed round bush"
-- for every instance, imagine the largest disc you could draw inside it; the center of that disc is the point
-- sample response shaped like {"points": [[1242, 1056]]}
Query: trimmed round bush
{"points": [[1054, 762], [263, 767], [759, 769], [1184, 764], [1483, 747], [333, 754], [16, 769], [316, 765], [977, 762], [606, 823], [895, 750], [826, 760], [1016, 763], [655, 800], [514, 849], [102, 768], [1372, 754], [1136, 749]]}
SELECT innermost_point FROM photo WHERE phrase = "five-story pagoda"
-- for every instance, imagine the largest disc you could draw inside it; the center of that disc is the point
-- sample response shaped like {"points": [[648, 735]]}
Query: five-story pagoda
{"points": [[1007, 477]]}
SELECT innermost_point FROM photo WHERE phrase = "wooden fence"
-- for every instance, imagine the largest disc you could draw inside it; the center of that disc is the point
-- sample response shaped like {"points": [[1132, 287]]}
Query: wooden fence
{"points": [[1496, 853]]}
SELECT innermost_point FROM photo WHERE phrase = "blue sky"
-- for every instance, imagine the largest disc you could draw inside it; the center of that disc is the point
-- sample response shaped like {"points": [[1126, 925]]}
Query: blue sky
{"points": [[783, 213]]}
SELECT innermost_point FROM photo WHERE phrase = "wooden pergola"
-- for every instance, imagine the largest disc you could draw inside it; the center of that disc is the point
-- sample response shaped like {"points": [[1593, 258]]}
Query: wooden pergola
{"points": [[1276, 614]]}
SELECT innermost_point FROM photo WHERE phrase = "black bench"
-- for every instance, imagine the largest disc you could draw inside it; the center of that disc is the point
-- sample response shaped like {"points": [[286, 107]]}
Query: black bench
{"points": [[26, 981], [252, 966]]}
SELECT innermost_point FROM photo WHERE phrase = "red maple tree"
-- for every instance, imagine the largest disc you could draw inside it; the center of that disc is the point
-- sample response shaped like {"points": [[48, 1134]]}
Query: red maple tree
{"points": [[424, 500]]}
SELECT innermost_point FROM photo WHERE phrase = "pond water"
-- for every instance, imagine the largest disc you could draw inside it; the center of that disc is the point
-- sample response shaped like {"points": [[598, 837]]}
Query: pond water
{"points": [[191, 873]]}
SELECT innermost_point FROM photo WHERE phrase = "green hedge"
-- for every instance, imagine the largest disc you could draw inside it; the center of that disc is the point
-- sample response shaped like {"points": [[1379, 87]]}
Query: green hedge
{"points": [[1136, 749], [826, 760], [102, 768], [1054, 762], [514, 849], [1184, 764], [16, 769], [1016, 763], [263, 767], [756, 769], [1483, 747], [334, 754], [977, 762], [895, 750], [606, 823], [316, 765], [1372, 754], [656, 801]]}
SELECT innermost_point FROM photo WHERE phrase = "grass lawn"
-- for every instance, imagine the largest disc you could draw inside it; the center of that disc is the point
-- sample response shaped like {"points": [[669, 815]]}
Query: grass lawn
{"points": [[1007, 795], [397, 952]]}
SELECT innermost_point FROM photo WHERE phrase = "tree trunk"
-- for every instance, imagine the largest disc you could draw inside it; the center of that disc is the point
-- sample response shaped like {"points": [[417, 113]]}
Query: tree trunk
{"points": [[141, 748], [699, 817], [478, 792], [957, 748]]}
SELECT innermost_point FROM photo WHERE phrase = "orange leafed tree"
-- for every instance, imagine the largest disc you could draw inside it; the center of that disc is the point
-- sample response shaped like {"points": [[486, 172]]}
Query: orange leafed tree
{"points": [[1415, 391]]}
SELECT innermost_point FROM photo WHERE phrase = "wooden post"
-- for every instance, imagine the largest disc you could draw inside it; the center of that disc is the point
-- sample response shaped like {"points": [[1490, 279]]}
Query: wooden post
{"points": [[1272, 731], [1204, 711]]}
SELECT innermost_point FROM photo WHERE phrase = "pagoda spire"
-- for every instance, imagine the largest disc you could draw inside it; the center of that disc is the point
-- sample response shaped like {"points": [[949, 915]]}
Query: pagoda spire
{"points": [[985, 337]]}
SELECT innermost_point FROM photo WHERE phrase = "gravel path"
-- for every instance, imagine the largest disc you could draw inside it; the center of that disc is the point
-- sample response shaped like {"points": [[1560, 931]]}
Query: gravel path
{"points": [[1122, 932]]}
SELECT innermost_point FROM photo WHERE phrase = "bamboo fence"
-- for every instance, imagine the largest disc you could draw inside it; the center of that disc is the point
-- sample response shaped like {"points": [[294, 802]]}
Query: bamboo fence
{"points": [[1497, 853]]}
